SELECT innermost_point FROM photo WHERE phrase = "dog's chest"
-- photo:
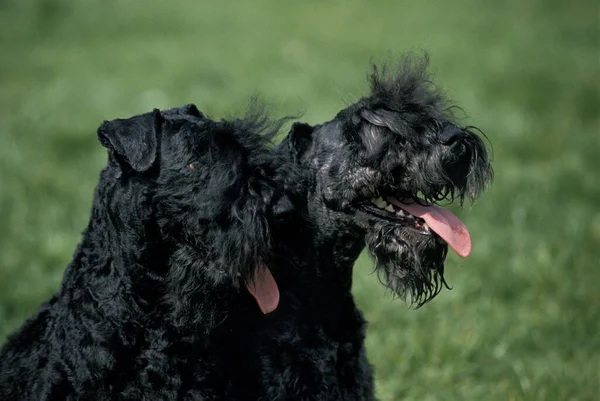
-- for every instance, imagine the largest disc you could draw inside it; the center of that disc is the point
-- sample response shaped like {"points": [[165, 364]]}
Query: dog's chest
{"points": [[288, 355]]}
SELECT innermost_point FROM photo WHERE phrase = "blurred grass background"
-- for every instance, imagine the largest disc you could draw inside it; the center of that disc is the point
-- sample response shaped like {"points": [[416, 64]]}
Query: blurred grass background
{"points": [[523, 320]]}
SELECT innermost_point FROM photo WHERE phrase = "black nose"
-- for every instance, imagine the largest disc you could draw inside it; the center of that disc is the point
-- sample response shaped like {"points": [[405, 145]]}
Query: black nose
{"points": [[451, 135]]}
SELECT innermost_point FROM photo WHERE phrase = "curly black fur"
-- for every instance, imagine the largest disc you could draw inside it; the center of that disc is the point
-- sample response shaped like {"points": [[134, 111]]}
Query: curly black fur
{"points": [[400, 141], [179, 224]]}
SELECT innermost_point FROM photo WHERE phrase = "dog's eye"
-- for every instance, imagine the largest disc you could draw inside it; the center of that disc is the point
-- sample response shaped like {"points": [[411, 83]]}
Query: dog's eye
{"points": [[193, 165]]}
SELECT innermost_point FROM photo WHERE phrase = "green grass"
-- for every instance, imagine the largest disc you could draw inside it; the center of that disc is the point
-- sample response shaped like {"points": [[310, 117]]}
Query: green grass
{"points": [[523, 319]]}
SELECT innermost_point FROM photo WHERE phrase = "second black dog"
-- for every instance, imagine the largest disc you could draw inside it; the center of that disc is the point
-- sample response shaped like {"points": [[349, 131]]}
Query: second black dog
{"points": [[372, 176]]}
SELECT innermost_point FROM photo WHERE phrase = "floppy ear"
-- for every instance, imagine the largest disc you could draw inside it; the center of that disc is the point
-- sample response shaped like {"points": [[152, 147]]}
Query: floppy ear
{"points": [[134, 139], [298, 140]]}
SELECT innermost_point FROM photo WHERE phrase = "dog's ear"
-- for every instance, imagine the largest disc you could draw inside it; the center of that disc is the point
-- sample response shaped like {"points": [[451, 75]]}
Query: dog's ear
{"points": [[187, 110], [298, 140], [134, 139]]}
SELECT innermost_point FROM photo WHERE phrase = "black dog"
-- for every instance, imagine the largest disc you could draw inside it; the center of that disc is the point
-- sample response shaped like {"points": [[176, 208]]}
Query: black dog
{"points": [[179, 229], [373, 175]]}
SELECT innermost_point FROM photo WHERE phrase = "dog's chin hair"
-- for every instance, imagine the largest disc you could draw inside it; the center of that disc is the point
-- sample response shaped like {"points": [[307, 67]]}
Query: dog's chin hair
{"points": [[415, 289], [406, 271]]}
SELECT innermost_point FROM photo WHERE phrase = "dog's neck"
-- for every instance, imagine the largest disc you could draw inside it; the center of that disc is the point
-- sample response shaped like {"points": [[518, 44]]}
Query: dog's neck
{"points": [[127, 250], [338, 255], [316, 237], [195, 299], [112, 230], [108, 264]]}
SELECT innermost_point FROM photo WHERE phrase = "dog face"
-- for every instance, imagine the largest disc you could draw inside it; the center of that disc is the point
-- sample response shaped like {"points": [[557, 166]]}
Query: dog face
{"points": [[382, 164], [207, 195]]}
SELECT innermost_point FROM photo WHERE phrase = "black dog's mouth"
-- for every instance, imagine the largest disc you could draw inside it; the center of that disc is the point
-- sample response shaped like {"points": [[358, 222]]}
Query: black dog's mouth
{"points": [[423, 220], [395, 215], [408, 251]]}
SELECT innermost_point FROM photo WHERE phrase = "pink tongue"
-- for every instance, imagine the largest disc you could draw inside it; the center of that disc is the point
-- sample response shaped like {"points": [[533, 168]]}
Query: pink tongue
{"points": [[264, 290], [443, 223]]}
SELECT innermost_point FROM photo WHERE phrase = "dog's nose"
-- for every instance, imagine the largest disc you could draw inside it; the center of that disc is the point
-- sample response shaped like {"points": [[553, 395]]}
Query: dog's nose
{"points": [[451, 136]]}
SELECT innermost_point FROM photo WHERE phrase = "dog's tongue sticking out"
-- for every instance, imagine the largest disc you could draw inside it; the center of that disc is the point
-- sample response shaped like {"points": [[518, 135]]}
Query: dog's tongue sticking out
{"points": [[443, 223], [264, 290]]}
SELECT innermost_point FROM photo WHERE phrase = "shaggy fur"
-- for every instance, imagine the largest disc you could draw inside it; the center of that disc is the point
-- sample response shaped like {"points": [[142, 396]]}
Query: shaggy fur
{"points": [[179, 224], [400, 141], [154, 305]]}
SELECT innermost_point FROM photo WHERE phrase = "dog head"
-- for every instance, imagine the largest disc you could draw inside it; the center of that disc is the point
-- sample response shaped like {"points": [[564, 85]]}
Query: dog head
{"points": [[380, 166], [204, 195]]}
